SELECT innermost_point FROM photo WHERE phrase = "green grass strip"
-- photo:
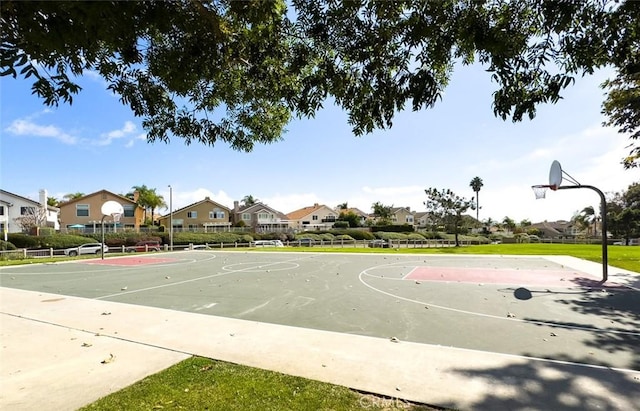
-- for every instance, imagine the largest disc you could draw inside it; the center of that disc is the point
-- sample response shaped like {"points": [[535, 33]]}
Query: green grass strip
{"points": [[204, 384]]}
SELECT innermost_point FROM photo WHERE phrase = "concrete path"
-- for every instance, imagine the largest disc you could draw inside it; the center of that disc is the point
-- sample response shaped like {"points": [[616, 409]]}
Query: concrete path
{"points": [[60, 353]]}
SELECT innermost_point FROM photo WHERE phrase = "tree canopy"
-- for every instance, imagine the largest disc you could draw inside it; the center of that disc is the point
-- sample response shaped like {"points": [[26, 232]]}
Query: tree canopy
{"points": [[446, 208], [239, 71], [382, 213], [623, 213]]}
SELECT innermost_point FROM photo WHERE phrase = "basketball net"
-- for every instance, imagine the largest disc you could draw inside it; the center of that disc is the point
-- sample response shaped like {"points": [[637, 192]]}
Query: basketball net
{"points": [[541, 190], [116, 217]]}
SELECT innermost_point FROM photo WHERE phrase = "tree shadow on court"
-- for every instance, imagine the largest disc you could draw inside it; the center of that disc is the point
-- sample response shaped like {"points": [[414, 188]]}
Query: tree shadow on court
{"points": [[618, 306], [553, 386]]}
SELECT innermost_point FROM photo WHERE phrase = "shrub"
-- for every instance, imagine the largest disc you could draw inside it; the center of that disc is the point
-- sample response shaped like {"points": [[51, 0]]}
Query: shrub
{"points": [[355, 234], [184, 238], [59, 241], [341, 224], [385, 235], [23, 240], [394, 228], [5, 245]]}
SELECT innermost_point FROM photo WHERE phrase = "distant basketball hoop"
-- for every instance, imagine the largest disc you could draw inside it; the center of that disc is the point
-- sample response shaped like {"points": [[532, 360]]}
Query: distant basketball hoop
{"points": [[113, 209], [556, 176]]}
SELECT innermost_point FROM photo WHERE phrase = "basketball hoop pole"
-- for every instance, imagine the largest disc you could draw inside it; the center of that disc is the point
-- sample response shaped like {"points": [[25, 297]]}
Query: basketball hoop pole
{"points": [[603, 206], [102, 229]]}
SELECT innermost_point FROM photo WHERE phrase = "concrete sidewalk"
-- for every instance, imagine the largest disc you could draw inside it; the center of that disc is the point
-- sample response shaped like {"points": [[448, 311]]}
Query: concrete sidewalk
{"points": [[60, 353]]}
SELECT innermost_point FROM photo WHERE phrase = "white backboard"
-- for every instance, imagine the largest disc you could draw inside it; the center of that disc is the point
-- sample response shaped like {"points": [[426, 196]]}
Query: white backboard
{"points": [[555, 174], [111, 207]]}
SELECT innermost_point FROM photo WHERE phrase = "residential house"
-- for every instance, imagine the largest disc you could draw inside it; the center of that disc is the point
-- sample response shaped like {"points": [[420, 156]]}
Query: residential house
{"points": [[555, 229], [316, 217], [260, 217], [18, 213], [206, 215], [402, 215], [421, 219], [362, 216], [85, 213]]}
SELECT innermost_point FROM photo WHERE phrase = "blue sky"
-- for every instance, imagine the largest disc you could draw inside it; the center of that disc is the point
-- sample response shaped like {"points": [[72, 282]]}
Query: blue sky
{"points": [[97, 143]]}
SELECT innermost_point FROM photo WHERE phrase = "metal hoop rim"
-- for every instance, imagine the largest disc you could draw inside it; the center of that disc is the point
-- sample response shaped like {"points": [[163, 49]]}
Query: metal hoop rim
{"points": [[550, 186]]}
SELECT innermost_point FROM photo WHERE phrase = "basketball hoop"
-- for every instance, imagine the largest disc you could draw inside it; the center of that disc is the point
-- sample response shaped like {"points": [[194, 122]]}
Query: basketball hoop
{"points": [[541, 190], [115, 210]]}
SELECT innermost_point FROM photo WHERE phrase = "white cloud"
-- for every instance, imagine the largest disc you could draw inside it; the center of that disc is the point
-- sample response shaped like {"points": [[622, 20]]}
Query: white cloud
{"points": [[291, 202], [126, 130], [27, 128]]}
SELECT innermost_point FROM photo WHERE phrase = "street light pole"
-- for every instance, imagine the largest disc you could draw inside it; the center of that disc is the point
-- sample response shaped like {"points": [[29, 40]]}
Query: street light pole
{"points": [[170, 218]]}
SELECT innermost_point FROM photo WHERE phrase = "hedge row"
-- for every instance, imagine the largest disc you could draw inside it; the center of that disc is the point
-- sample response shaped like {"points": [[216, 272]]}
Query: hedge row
{"points": [[56, 241], [118, 239]]}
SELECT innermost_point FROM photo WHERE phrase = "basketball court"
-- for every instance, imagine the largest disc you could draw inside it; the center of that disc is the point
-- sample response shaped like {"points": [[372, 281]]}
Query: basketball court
{"points": [[531, 306]]}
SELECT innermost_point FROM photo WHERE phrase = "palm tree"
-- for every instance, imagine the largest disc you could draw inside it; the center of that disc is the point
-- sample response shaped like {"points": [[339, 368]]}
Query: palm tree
{"points": [[489, 222], [509, 223], [249, 200], [581, 222], [590, 217], [143, 197], [343, 206], [52, 201], [476, 185], [72, 196], [154, 201]]}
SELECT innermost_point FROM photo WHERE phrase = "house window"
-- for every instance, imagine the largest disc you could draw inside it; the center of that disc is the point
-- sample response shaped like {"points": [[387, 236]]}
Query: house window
{"points": [[246, 216], [82, 210], [216, 214], [314, 218], [27, 210], [409, 219], [263, 216], [1, 210], [128, 211], [192, 214], [193, 226]]}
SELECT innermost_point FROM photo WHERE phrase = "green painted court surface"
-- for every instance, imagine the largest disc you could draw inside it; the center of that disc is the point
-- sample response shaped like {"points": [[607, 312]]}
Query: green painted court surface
{"points": [[528, 306]]}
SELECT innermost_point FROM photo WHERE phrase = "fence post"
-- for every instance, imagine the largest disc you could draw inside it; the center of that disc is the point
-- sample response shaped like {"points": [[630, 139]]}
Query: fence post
{"points": [[51, 252]]}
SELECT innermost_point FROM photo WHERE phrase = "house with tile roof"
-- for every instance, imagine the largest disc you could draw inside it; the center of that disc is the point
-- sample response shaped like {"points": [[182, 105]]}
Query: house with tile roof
{"points": [[17, 212], [85, 213], [205, 215], [315, 217], [260, 217]]}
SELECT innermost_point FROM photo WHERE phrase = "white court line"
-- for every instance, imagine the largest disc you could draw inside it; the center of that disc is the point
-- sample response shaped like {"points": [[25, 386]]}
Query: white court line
{"points": [[191, 280], [206, 306], [107, 268]]}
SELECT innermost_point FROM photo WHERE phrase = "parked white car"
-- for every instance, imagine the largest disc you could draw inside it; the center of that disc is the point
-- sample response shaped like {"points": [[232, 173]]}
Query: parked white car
{"points": [[268, 243], [89, 248]]}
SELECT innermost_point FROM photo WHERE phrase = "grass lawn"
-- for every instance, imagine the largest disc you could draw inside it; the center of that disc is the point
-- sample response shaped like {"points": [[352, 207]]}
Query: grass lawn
{"points": [[205, 384], [626, 257]]}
